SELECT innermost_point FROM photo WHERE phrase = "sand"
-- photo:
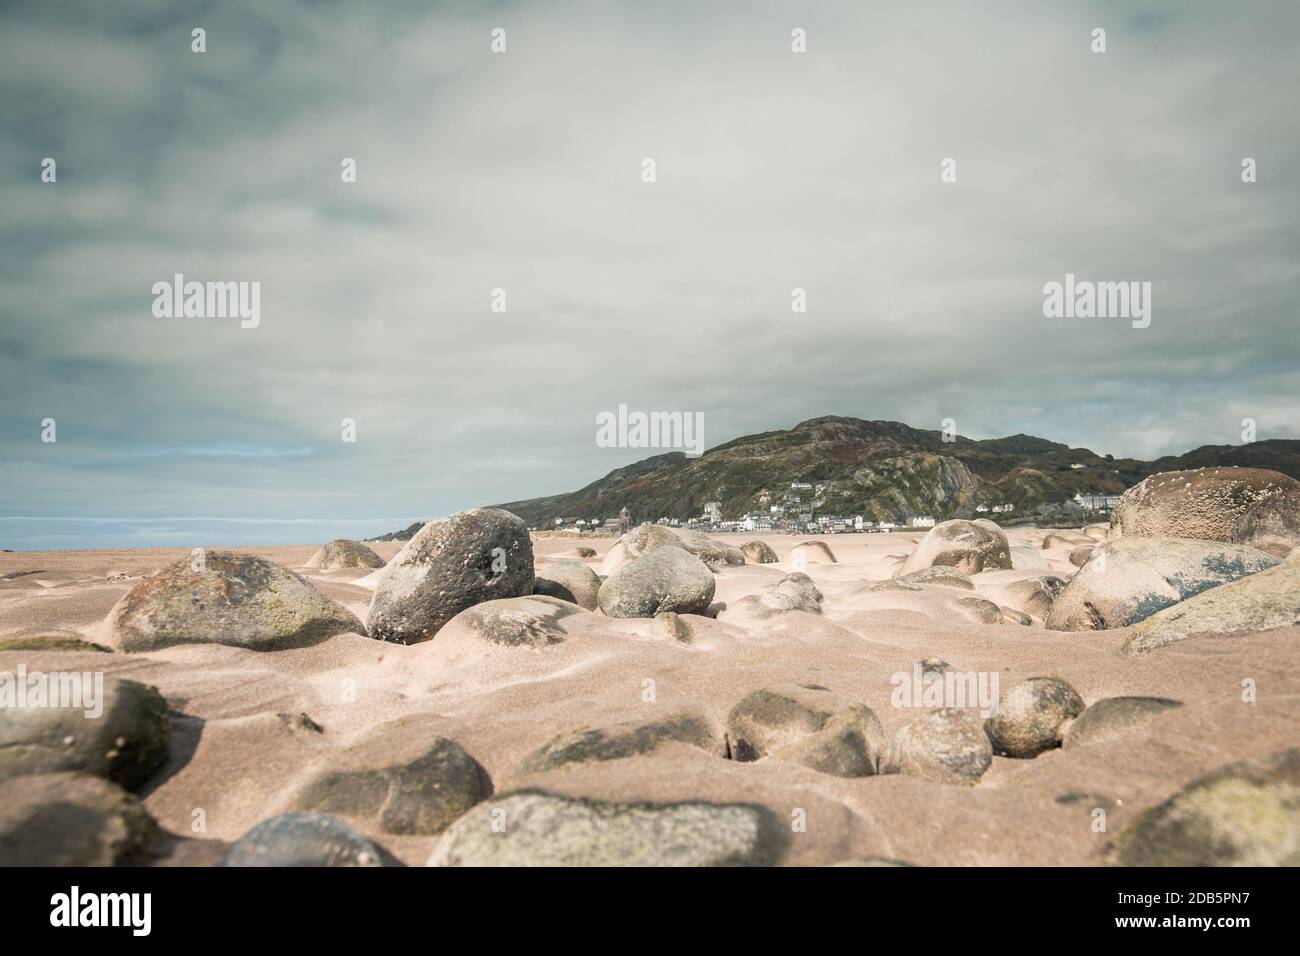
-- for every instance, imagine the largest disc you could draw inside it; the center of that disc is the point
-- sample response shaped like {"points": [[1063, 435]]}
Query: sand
{"points": [[240, 749]]}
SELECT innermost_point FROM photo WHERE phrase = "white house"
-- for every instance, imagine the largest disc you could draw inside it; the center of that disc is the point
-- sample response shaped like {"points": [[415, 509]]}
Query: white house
{"points": [[921, 521]]}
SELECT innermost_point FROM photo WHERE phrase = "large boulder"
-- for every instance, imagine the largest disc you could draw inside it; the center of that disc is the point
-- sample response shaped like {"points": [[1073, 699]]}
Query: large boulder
{"points": [[968, 546], [344, 553], [302, 840], [1259, 602], [404, 778], [808, 726], [219, 597], [1244, 814], [666, 578], [120, 730], [1251, 506], [644, 538], [451, 564], [568, 580], [626, 739], [1129, 579], [543, 829], [73, 819]]}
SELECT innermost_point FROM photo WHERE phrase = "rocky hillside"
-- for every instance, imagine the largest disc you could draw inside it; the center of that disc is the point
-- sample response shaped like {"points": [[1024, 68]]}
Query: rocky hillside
{"points": [[883, 470]]}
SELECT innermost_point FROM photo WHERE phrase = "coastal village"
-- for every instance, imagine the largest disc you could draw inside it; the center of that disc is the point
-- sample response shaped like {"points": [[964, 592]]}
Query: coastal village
{"points": [[803, 509]]}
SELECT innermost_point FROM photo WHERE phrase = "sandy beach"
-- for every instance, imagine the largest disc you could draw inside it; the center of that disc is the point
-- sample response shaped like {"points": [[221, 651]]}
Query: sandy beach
{"points": [[249, 728]]}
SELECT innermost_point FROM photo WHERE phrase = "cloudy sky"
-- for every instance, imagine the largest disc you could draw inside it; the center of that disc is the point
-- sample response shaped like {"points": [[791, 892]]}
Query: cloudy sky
{"points": [[522, 171]]}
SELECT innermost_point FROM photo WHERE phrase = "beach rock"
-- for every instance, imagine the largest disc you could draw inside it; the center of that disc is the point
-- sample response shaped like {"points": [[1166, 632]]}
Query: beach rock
{"points": [[666, 578], [568, 581], [810, 552], [1082, 555], [343, 553], [794, 592], [543, 829], [1114, 717], [580, 551], [451, 564], [941, 575], [1252, 506], [126, 742], [629, 738], [532, 621], [403, 778], [942, 746], [302, 839], [225, 598], [1026, 558], [1034, 596], [978, 609], [1098, 532], [968, 546], [671, 626], [758, 552], [73, 819], [809, 726], [1243, 814], [644, 538], [1011, 616], [1259, 602], [1030, 716], [1129, 579]]}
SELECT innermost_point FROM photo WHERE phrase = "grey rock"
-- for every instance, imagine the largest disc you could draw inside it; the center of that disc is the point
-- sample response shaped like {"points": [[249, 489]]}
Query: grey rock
{"points": [[1129, 579], [72, 819], [939, 574], [968, 546], [809, 726], [344, 553], [303, 839], [942, 746], [666, 578], [758, 552], [533, 621], [569, 581], [542, 829], [126, 743], [451, 564], [625, 739], [1114, 717]]}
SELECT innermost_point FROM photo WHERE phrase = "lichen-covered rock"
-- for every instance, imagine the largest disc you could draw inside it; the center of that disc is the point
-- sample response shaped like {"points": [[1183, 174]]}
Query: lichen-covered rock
{"points": [[533, 621], [119, 730], [1259, 602], [543, 829], [1251, 506], [1129, 579], [644, 538], [219, 597], [666, 578], [794, 592], [1031, 716], [1114, 717], [344, 553], [451, 564], [943, 746], [404, 778], [1034, 596], [809, 726], [73, 819], [1244, 814], [568, 580], [968, 546], [758, 552], [302, 839], [629, 738]]}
